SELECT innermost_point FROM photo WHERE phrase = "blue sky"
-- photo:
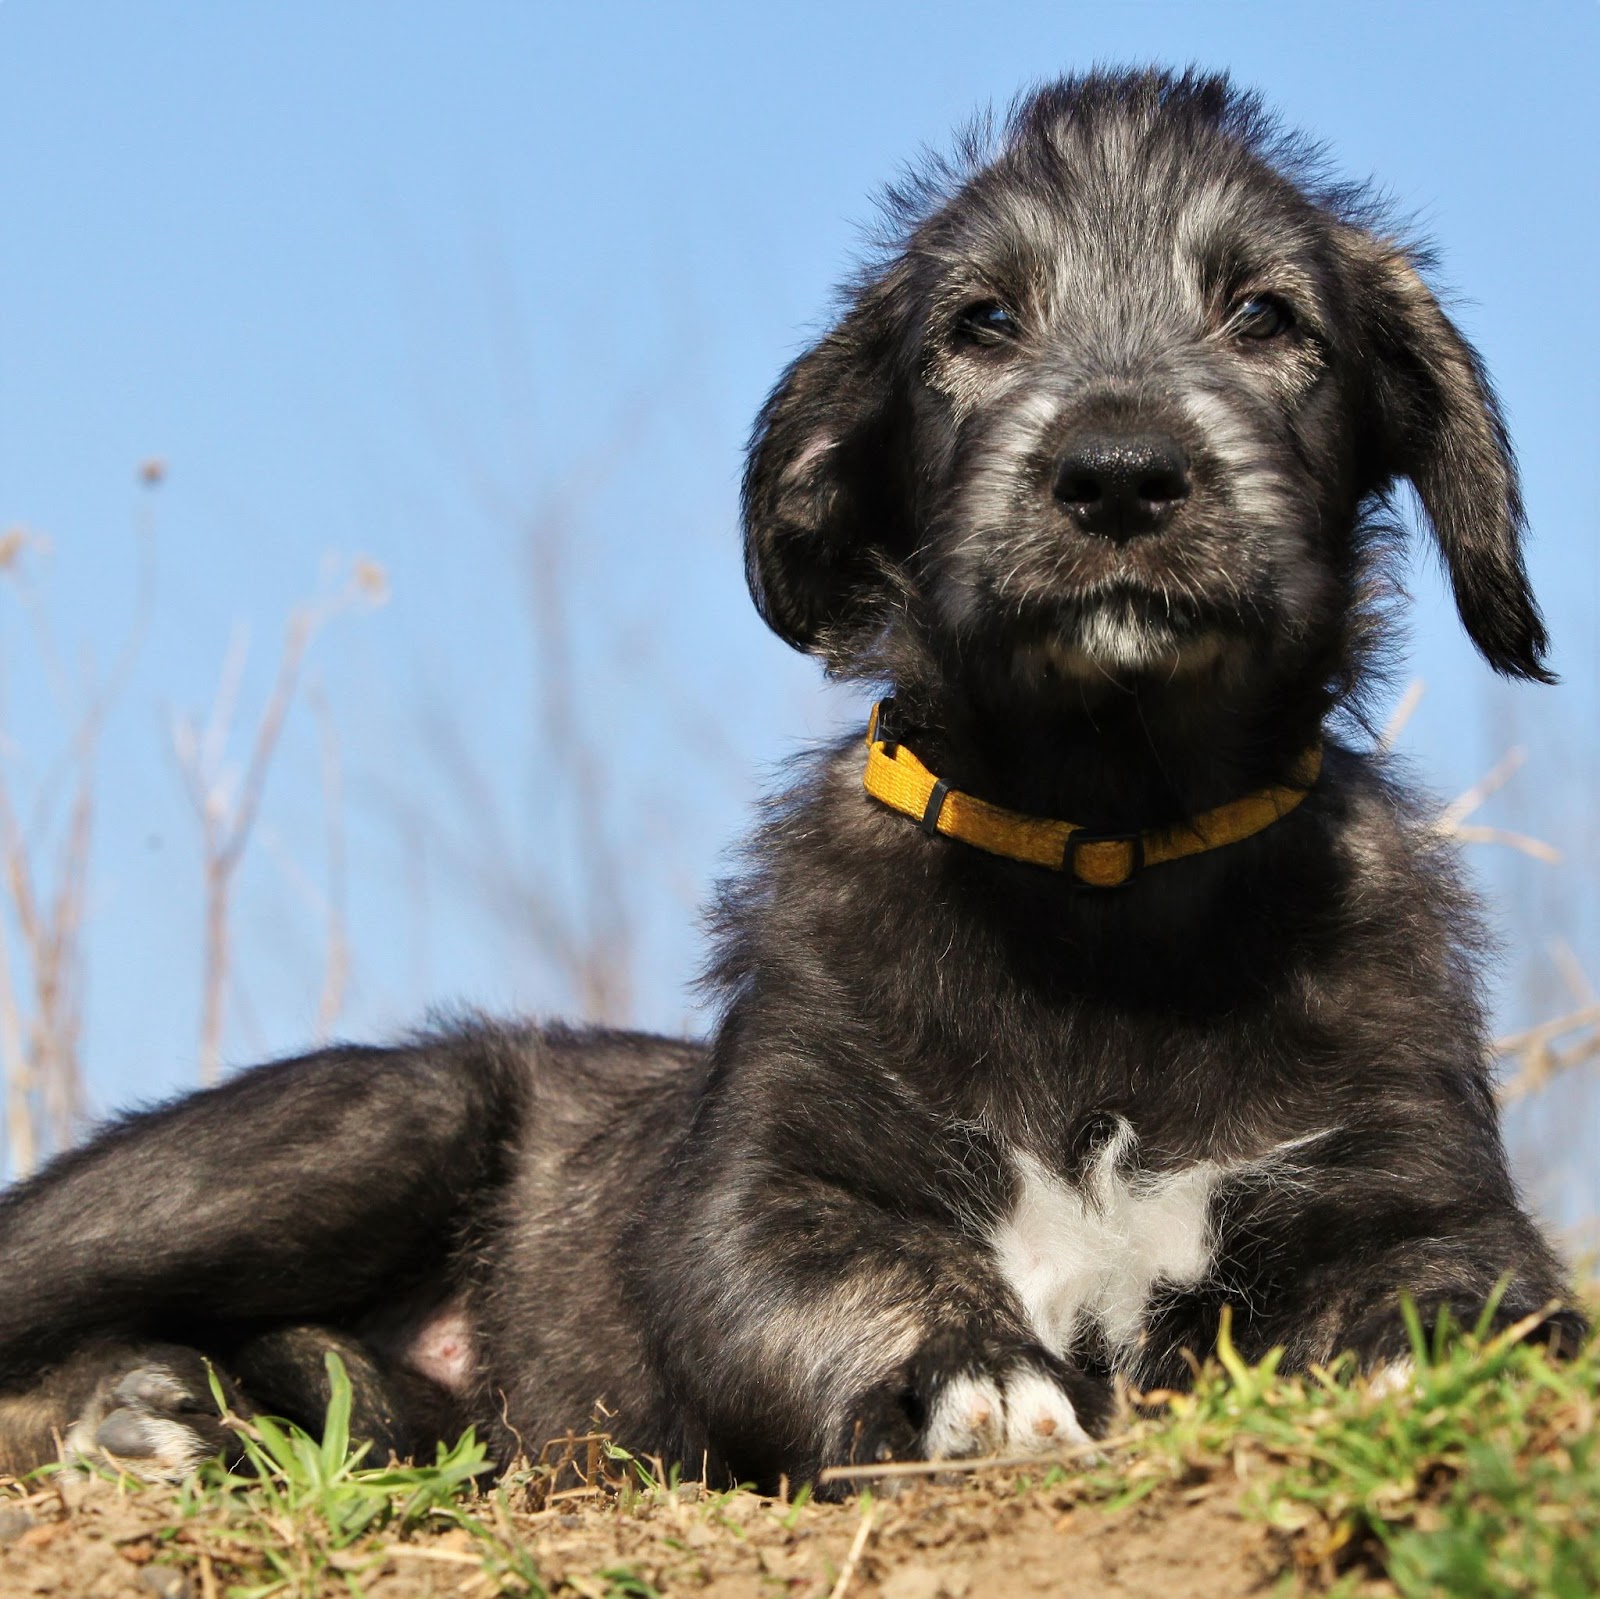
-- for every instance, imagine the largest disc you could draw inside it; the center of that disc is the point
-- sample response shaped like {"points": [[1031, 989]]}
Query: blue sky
{"points": [[394, 279]]}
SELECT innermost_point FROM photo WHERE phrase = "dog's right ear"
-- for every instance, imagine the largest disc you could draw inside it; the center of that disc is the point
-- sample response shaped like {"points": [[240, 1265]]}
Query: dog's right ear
{"points": [[823, 500]]}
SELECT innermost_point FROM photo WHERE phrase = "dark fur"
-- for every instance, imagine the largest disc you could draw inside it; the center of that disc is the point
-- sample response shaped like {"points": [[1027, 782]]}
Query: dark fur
{"points": [[770, 1252]]}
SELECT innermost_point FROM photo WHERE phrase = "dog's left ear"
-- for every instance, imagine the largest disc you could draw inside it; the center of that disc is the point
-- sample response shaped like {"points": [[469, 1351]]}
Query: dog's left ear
{"points": [[1440, 426], [824, 512]]}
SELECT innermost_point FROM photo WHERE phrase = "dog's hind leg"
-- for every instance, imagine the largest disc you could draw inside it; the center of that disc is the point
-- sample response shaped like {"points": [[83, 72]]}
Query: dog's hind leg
{"points": [[144, 1405], [317, 1190], [395, 1411], [152, 1409]]}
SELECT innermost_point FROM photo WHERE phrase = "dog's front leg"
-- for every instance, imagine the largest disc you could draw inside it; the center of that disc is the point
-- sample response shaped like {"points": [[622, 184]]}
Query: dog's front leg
{"points": [[1495, 1270], [1324, 1265], [809, 1326]]}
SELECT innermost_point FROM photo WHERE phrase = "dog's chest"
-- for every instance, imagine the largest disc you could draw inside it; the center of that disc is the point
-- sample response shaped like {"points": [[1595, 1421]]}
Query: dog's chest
{"points": [[1084, 1256]]}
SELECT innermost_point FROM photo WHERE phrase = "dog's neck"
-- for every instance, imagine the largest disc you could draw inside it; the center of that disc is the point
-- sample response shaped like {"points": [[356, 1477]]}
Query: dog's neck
{"points": [[1146, 756]]}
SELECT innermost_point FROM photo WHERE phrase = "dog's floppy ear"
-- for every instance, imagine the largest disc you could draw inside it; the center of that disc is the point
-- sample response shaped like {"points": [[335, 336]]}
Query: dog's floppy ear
{"points": [[823, 502], [1440, 426]]}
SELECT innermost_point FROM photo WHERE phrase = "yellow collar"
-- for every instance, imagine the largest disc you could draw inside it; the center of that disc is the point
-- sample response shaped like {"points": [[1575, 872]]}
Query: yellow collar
{"points": [[1101, 860]]}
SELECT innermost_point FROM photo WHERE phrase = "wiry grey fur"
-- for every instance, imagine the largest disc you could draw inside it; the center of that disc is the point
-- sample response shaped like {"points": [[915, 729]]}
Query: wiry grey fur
{"points": [[969, 1140]]}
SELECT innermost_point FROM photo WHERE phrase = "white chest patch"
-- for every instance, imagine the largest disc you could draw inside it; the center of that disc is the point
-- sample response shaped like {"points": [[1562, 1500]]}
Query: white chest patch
{"points": [[1088, 1254]]}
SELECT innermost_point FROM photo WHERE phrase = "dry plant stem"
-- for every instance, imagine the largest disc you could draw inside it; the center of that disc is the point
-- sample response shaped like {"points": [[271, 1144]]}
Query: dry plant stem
{"points": [[40, 1038], [22, 1145], [852, 1559], [225, 830], [446, 1557], [1548, 1031], [60, 1001], [1471, 833], [599, 954], [1452, 819], [336, 963], [1453, 823], [583, 930], [1538, 1057], [1403, 712], [578, 920], [939, 1468], [1572, 973], [1535, 1048], [1495, 779]]}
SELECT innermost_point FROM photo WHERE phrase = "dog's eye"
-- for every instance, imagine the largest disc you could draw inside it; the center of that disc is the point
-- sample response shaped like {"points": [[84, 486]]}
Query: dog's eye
{"points": [[1261, 316], [986, 322]]}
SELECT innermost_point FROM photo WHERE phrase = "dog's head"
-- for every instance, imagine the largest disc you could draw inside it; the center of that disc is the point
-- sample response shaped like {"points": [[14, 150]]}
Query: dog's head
{"points": [[1120, 404]]}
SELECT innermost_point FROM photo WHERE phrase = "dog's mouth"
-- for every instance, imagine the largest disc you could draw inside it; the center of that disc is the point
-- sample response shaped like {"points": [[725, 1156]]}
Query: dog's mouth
{"points": [[1126, 633]]}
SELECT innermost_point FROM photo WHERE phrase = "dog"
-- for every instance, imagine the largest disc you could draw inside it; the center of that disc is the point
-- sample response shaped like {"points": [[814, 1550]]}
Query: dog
{"points": [[1111, 988]]}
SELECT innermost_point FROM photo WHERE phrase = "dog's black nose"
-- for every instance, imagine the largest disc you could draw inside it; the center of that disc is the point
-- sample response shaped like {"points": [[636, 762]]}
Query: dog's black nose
{"points": [[1122, 485]]}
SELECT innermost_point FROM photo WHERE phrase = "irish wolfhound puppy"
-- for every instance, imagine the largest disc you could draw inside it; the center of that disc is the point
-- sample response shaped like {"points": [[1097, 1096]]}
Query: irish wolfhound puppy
{"points": [[1111, 984]]}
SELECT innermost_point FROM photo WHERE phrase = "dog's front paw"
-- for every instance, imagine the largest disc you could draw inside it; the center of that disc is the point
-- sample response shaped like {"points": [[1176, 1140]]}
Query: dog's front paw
{"points": [[155, 1418], [958, 1399], [1021, 1411]]}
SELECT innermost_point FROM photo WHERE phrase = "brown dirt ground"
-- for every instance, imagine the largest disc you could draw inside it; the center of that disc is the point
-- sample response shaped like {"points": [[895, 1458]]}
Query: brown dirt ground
{"points": [[979, 1539]]}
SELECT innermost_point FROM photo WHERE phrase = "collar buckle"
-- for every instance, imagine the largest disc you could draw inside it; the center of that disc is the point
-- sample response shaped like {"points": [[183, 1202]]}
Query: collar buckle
{"points": [[1087, 871], [882, 727]]}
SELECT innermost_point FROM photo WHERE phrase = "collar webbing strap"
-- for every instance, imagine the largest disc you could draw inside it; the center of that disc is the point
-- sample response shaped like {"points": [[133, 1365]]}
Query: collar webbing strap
{"points": [[1099, 859]]}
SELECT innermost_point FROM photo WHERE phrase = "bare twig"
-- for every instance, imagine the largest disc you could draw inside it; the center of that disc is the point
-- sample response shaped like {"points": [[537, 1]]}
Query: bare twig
{"points": [[571, 894], [446, 1557], [1545, 1032], [1541, 1055], [937, 1468], [1495, 779], [336, 962], [1474, 833], [858, 1544], [227, 816], [599, 950], [1403, 712], [1452, 820], [21, 1137], [1572, 973], [41, 972], [1538, 1052], [225, 827]]}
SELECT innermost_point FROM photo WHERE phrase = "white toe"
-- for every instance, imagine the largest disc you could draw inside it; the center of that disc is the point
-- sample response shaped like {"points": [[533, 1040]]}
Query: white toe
{"points": [[1039, 1415], [968, 1419], [1392, 1377]]}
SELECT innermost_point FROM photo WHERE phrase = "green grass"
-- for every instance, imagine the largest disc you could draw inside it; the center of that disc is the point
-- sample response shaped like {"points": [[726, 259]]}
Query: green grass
{"points": [[306, 1506], [1478, 1480]]}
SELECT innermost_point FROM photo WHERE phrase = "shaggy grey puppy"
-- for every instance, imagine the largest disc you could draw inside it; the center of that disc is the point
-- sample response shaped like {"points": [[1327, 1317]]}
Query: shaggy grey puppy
{"points": [[1118, 984]]}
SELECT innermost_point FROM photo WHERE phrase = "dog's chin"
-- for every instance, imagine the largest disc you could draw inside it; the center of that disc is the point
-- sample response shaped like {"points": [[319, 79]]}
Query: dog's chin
{"points": [[1117, 645]]}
